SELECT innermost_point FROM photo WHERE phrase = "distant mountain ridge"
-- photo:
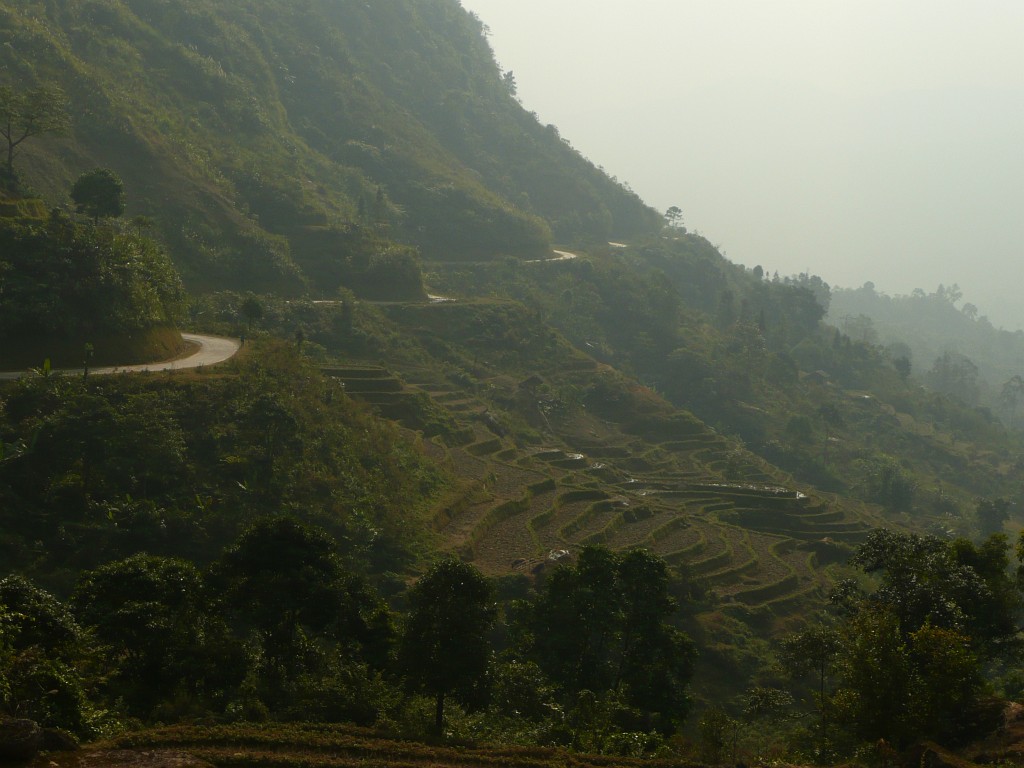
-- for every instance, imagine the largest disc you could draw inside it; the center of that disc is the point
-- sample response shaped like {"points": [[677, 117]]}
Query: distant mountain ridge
{"points": [[953, 349], [282, 146]]}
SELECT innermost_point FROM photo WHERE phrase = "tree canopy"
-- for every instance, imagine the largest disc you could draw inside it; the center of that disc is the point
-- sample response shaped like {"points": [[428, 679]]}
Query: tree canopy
{"points": [[603, 625], [26, 114], [444, 646], [99, 194]]}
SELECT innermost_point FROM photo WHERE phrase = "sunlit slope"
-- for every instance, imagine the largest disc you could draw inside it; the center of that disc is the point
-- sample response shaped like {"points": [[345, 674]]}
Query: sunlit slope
{"points": [[539, 474], [266, 139], [558, 444]]}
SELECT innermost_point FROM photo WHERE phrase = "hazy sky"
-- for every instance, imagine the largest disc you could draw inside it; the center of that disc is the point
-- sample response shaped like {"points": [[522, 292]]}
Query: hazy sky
{"points": [[863, 140]]}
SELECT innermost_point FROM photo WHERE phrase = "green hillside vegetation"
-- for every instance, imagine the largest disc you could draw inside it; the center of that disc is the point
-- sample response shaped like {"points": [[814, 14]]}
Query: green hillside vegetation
{"points": [[751, 358], [950, 349], [263, 141], [75, 292], [456, 501], [240, 612], [179, 465]]}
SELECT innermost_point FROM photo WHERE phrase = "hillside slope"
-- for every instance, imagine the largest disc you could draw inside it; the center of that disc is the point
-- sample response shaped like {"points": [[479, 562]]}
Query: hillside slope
{"points": [[281, 143], [951, 349]]}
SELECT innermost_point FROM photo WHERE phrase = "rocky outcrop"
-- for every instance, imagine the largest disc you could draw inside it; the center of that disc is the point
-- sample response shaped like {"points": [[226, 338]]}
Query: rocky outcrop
{"points": [[58, 740], [931, 755], [20, 739]]}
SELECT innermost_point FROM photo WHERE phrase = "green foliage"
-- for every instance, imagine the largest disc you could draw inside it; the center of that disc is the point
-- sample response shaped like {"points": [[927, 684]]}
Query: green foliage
{"points": [[602, 626], [907, 687], [716, 735], [814, 652], [119, 465], [954, 586], [444, 647], [874, 696], [948, 680], [991, 514], [34, 617], [889, 484], [295, 120], [282, 574], [152, 616], [27, 114], [955, 350], [291, 147], [41, 652], [99, 194], [68, 281], [910, 661], [955, 375]]}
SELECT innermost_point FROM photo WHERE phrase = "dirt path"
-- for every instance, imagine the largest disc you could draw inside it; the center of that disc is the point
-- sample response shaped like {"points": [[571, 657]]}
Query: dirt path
{"points": [[207, 350]]}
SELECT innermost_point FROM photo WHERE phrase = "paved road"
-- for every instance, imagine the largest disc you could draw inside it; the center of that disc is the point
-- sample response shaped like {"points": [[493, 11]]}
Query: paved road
{"points": [[211, 350], [559, 256]]}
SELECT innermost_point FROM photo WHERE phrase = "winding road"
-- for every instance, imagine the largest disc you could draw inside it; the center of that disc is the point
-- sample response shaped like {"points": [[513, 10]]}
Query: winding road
{"points": [[559, 256], [210, 351]]}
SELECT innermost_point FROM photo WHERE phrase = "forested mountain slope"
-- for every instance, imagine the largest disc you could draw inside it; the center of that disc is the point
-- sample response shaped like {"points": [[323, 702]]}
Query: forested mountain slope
{"points": [[951, 349], [655, 464], [286, 145]]}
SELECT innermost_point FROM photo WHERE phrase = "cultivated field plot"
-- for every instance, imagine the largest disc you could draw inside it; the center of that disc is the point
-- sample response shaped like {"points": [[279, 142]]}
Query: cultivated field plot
{"points": [[654, 477], [312, 746]]}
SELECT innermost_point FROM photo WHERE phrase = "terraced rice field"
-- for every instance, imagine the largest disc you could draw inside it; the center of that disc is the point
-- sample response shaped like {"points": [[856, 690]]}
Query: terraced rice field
{"points": [[313, 746], [665, 482]]}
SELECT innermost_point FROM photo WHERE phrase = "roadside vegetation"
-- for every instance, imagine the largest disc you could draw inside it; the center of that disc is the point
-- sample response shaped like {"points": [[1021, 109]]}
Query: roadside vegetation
{"points": [[458, 500]]}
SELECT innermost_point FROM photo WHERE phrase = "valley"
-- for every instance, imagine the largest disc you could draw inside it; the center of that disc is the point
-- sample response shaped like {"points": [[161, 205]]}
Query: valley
{"points": [[459, 452]]}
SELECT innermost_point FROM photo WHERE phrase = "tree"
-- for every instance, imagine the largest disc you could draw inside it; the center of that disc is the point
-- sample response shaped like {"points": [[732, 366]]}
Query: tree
{"points": [[655, 659], [270, 427], [991, 514], [860, 328], [765, 704], [252, 309], [93, 446], [40, 661], [509, 80], [310, 616], [99, 193], [152, 615], [902, 366], [26, 115], [946, 684], [602, 625], [674, 217], [888, 483], [814, 651], [950, 295], [875, 677], [1011, 395], [992, 612], [956, 585], [444, 648], [956, 375], [907, 686], [281, 574], [717, 731]]}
